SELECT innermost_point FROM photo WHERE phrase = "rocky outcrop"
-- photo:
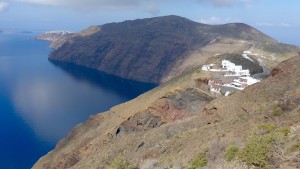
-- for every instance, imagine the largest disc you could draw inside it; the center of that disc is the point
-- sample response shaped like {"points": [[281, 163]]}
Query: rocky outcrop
{"points": [[173, 106], [157, 49]]}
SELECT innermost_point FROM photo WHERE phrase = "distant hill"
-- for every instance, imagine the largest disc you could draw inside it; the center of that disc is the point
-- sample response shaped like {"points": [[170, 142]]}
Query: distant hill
{"points": [[58, 38], [157, 49]]}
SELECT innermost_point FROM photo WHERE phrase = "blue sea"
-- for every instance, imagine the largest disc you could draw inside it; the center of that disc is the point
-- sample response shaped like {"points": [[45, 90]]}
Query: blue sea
{"points": [[41, 101]]}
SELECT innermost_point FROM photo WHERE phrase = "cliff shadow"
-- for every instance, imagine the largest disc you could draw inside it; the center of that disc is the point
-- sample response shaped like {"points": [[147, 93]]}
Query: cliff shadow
{"points": [[123, 87]]}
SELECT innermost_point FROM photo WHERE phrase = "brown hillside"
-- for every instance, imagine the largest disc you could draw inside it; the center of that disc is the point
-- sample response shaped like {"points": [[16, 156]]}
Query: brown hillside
{"points": [[177, 125]]}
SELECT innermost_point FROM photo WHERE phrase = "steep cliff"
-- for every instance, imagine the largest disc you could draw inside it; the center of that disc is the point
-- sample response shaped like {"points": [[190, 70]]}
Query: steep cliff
{"points": [[157, 49], [179, 125]]}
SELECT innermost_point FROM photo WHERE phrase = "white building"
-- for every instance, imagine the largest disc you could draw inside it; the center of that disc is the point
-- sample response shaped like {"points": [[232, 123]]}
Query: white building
{"points": [[229, 67], [234, 70], [226, 64], [242, 82], [205, 67], [234, 79], [248, 80], [247, 52]]}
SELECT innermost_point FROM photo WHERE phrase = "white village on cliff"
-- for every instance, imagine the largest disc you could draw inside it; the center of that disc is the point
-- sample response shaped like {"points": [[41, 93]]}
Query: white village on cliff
{"points": [[233, 78]]}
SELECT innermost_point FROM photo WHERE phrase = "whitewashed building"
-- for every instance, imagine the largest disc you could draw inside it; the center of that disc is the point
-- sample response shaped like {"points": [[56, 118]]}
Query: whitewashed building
{"points": [[230, 68], [234, 70], [233, 78], [248, 80]]}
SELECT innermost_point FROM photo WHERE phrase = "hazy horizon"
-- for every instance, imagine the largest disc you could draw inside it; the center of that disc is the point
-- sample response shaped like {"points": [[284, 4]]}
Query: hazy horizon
{"points": [[277, 19]]}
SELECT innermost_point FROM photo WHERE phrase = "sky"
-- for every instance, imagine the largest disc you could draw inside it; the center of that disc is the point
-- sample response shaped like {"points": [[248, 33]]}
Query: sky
{"points": [[277, 18]]}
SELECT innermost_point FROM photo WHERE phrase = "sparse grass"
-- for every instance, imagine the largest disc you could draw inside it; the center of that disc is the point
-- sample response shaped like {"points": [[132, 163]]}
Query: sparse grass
{"points": [[294, 148], [199, 161], [231, 152], [277, 111], [234, 164], [198, 71], [285, 130], [267, 128], [120, 162], [284, 57]]}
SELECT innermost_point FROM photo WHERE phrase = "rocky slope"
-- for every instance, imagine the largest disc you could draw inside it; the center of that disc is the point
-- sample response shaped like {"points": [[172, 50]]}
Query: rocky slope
{"points": [[179, 125], [57, 38], [157, 49]]}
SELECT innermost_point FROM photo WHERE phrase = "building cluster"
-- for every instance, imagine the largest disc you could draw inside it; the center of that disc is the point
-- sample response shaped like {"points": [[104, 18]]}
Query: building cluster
{"points": [[59, 32], [228, 67], [233, 77]]}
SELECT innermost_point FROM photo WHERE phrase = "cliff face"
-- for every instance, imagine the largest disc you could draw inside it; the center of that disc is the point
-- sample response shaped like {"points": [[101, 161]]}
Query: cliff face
{"points": [[178, 124], [157, 49]]}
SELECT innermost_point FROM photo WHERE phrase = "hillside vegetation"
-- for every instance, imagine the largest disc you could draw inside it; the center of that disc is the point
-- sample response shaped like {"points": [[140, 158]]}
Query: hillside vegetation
{"points": [[179, 125]]}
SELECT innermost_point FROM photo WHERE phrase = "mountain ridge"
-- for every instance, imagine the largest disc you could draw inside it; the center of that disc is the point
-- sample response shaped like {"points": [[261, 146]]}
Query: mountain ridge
{"points": [[157, 49]]}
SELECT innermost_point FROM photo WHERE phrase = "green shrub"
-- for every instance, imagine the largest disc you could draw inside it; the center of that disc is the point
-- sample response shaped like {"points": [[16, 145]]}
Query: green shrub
{"points": [[285, 130], [231, 152], [259, 146], [277, 111], [120, 163], [258, 150], [267, 128], [200, 161]]}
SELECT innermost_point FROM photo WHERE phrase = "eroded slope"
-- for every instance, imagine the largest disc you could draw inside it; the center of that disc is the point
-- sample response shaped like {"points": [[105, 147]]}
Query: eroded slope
{"points": [[170, 125]]}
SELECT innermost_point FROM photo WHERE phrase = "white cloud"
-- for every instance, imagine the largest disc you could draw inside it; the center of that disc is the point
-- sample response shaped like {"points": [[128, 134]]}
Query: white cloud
{"points": [[211, 20], [264, 24], [152, 8], [128, 3], [267, 24], [87, 4], [285, 25], [226, 3], [3, 5], [217, 20]]}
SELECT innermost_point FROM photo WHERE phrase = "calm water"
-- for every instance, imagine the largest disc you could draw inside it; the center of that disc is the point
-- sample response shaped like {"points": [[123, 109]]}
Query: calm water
{"points": [[40, 101]]}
